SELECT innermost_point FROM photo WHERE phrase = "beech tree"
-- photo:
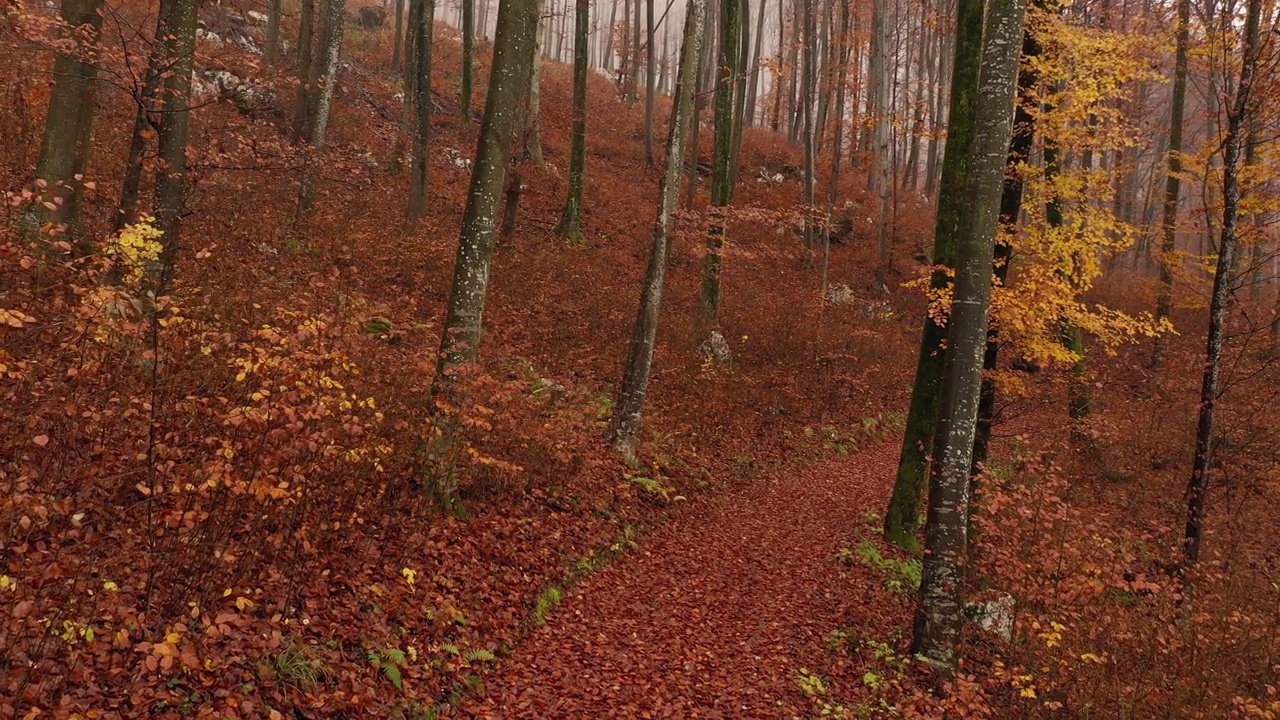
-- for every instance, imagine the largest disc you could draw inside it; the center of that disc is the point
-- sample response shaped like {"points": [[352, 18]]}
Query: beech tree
{"points": [[722, 172], [179, 43], [570, 224], [940, 612], [323, 78], [1173, 178], [468, 43], [64, 150], [1224, 280], [421, 24], [513, 56], [902, 519], [624, 427]]}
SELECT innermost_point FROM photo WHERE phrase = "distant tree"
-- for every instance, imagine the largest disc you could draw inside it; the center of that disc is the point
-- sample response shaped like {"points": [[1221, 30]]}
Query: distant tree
{"points": [[179, 43], [1173, 178], [940, 612], [1224, 279], [468, 43], [650, 83], [323, 79], [721, 166], [419, 176], [753, 84], [513, 56], [808, 87], [624, 427], [306, 56], [144, 122], [396, 34], [902, 519], [271, 54], [570, 224], [64, 150]]}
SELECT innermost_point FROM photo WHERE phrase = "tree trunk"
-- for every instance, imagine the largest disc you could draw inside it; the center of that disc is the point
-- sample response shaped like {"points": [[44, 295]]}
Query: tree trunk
{"points": [[144, 124], [722, 173], [740, 90], [633, 87], [175, 125], [306, 28], [324, 79], [1224, 282], [753, 85], [1024, 126], [649, 82], [775, 120], [1173, 182], [272, 52], [570, 225], [624, 427], [468, 45], [64, 150], [513, 56], [396, 36], [704, 63], [419, 165], [883, 80], [808, 88], [902, 520], [940, 613]]}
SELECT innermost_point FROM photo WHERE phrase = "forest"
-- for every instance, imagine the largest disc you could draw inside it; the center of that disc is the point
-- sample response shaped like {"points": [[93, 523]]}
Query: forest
{"points": [[424, 359]]}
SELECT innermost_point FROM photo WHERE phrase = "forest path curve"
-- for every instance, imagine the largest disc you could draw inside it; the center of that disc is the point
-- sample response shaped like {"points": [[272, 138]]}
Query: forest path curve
{"points": [[710, 616]]}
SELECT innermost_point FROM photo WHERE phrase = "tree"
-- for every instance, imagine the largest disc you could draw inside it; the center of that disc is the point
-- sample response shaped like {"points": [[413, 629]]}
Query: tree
{"points": [[396, 34], [323, 79], [570, 224], [649, 83], [722, 172], [940, 612], [807, 91], [272, 51], [1173, 181], [468, 43], [421, 25], [144, 122], [513, 56], [882, 77], [306, 55], [64, 150], [1224, 281], [902, 519], [179, 43], [624, 427]]}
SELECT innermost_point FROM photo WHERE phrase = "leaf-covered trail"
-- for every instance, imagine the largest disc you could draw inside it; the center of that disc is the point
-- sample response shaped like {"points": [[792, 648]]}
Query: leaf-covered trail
{"points": [[711, 616]]}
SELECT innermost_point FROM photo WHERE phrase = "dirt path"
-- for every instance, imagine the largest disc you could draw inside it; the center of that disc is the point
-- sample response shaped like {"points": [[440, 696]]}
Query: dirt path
{"points": [[709, 617]]}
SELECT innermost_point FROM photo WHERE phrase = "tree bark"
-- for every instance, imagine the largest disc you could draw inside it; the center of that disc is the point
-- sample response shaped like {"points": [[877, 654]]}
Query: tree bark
{"points": [[175, 127], [1173, 181], [939, 615], [649, 83], [570, 225], [513, 56], [1224, 283], [722, 172], [272, 52], [419, 165], [64, 150], [624, 427], [902, 520], [753, 85], [144, 124], [468, 45], [324, 78]]}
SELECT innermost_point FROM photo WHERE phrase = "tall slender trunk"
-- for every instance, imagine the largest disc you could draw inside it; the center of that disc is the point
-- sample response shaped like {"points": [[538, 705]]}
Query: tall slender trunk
{"points": [[144, 124], [884, 107], [740, 89], [419, 165], [272, 52], [810, 141], [570, 225], [324, 78], [513, 56], [705, 62], [624, 427], [396, 36], [939, 615], [306, 54], [468, 45], [649, 84], [1224, 282], [1173, 181], [64, 150], [753, 85], [911, 178], [633, 89], [938, 119], [608, 38], [175, 127], [902, 520], [722, 173], [778, 70]]}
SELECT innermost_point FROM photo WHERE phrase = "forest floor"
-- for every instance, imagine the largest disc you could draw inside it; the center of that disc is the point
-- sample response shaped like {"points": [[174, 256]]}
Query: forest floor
{"points": [[714, 615]]}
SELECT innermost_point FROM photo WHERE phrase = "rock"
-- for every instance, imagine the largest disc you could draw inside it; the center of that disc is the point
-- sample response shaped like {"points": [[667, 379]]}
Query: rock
{"points": [[257, 17], [841, 295], [371, 17], [716, 349], [249, 97], [994, 616], [208, 36]]}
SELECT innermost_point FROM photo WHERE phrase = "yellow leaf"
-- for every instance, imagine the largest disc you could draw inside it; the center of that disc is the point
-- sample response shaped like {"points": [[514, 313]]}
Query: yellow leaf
{"points": [[243, 603], [110, 586], [173, 638], [1028, 692]]}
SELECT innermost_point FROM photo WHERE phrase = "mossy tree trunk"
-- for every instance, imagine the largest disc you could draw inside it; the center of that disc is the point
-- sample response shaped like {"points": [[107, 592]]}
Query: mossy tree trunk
{"points": [[179, 43], [902, 519], [939, 615], [722, 172], [570, 225], [323, 81], [419, 165], [1173, 177]]}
